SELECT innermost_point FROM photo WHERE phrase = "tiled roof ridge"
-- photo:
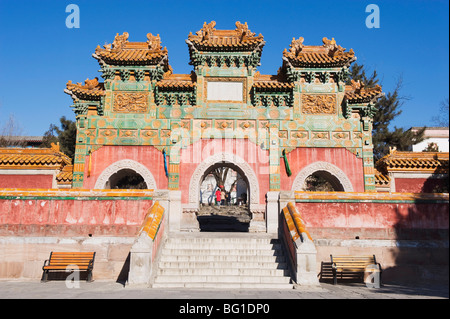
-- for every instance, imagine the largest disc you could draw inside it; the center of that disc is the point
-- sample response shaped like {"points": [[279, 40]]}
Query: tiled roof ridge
{"points": [[121, 42], [330, 54], [90, 89], [53, 155], [177, 80], [409, 154], [357, 92], [381, 178], [122, 51], [398, 160], [65, 176], [268, 81], [208, 37]]}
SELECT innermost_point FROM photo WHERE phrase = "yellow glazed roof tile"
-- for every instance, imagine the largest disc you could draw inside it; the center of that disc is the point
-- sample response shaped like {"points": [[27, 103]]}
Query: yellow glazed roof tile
{"points": [[329, 54], [241, 38], [35, 158], [436, 162], [121, 51]]}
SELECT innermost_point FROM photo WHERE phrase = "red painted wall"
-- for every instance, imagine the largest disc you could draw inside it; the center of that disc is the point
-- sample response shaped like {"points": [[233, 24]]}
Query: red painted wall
{"points": [[148, 156], [340, 157], [193, 155], [72, 217], [26, 181], [418, 185], [372, 220]]}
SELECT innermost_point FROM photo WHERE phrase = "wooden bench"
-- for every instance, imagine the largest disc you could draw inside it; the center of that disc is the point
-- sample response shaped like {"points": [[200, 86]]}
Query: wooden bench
{"points": [[353, 265], [62, 261]]}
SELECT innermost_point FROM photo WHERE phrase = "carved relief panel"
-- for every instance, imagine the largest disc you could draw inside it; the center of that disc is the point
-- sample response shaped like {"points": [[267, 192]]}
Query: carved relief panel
{"points": [[318, 103], [126, 102]]}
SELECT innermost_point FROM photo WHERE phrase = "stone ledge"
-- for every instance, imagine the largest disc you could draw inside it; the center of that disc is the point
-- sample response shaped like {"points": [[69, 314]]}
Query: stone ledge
{"points": [[382, 243]]}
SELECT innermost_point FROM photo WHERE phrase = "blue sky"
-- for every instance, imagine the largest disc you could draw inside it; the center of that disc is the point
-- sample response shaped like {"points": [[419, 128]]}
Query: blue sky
{"points": [[39, 54]]}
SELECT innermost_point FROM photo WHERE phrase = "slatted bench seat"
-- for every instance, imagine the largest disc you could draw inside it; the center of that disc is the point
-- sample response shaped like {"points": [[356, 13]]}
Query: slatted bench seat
{"points": [[353, 265], [60, 261]]}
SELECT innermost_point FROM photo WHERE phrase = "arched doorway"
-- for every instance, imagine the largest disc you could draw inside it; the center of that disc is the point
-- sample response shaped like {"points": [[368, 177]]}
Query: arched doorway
{"points": [[224, 159], [125, 173], [229, 179], [322, 181], [237, 164], [126, 179], [224, 200], [322, 176]]}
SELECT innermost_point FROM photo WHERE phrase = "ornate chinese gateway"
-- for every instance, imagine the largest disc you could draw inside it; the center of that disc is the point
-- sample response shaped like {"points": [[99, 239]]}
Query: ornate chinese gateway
{"points": [[275, 130], [173, 135]]}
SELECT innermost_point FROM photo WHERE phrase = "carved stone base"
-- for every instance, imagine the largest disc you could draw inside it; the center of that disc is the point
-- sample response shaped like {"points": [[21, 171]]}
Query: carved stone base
{"points": [[258, 222], [189, 221]]}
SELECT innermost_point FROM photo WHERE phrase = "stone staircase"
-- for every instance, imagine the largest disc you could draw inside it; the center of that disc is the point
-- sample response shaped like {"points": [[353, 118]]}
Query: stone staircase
{"points": [[222, 260]]}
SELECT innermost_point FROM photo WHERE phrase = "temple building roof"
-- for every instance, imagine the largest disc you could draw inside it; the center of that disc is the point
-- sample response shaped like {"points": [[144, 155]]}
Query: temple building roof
{"points": [[65, 177], [90, 90], [358, 93], [382, 180], [39, 159], [123, 52], [33, 158], [239, 39], [178, 81], [123, 60], [270, 82], [328, 55], [435, 162]]}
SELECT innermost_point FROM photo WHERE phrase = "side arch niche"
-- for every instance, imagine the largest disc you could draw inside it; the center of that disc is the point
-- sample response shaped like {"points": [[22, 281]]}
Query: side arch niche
{"points": [[338, 178], [125, 164]]}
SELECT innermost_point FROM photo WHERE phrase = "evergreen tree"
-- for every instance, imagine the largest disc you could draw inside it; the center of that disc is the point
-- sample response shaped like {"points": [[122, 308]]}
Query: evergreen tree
{"points": [[66, 136], [357, 72], [388, 108]]}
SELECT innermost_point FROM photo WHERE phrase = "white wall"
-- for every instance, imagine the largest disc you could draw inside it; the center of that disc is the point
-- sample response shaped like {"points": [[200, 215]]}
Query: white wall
{"points": [[442, 143]]}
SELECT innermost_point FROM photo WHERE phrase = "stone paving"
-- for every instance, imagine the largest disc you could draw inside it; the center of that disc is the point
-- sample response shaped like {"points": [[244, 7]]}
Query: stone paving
{"points": [[113, 290]]}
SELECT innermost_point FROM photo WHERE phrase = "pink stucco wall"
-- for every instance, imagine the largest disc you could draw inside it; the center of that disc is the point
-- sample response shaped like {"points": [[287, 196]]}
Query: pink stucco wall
{"points": [[196, 153], [419, 185], [26, 181], [71, 213], [391, 217], [346, 161], [148, 156]]}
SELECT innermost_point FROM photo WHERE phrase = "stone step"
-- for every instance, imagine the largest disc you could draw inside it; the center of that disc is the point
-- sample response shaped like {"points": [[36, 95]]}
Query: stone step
{"points": [[177, 235], [221, 246], [235, 285], [221, 252], [221, 240], [223, 279], [218, 242], [223, 258], [223, 272], [221, 264]]}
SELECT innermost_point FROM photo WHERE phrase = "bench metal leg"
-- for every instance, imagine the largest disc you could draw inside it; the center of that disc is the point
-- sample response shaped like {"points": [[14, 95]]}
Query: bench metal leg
{"points": [[334, 276], [89, 276], [45, 276]]}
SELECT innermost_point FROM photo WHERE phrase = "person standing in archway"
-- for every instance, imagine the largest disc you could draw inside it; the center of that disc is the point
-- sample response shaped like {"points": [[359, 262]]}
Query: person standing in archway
{"points": [[244, 198], [227, 198], [218, 196]]}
